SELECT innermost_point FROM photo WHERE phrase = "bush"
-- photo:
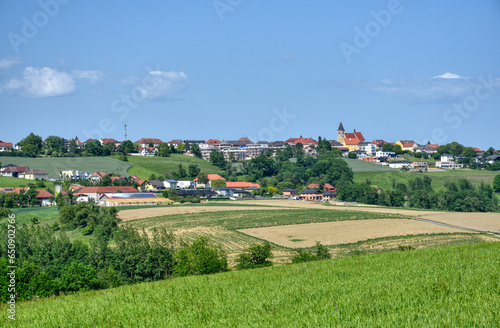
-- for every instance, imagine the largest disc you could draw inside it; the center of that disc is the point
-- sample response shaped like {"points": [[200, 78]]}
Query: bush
{"points": [[78, 276], [5, 212], [200, 257], [318, 252], [255, 256]]}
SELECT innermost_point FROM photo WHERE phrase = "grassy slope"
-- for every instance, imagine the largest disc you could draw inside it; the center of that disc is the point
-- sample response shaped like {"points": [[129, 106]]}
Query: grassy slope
{"points": [[145, 166], [15, 182], [54, 166], [384, 179], [455, 286], [364, 166]]}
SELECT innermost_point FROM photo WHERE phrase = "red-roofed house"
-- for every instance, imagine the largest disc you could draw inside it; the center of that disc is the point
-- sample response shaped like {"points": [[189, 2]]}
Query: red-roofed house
{"points": [[407, 144], [36, 174], [213, 142], [96, 192], [97, 176], [328, 187], [475, 148], [5, 145], [240, 184], [245, 139], [303, 141], [44, 197], [174, 143], [148, 151], [211, 177], [144, 142], [379, 142], [109, 140], [15, 171]]}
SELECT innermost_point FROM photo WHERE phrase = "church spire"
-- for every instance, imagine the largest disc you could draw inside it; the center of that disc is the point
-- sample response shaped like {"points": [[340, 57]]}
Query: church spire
{"points": [[341, 127]]}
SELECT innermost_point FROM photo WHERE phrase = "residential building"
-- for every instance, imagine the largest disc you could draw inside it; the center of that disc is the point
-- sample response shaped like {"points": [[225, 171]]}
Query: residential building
{"points": [[45, 197], [5, 146], [157, 185], [242, 185], [448, 162], [36, 174], [170, 184], [96, 192], [148, 151], [212, 142], [186, 184], [211, 177], [290, 193], [368, 148], [303, 141], [75, 175], [329, 195], [313, 195], [130, 199], [379, 143], [145, 142], [225, 192], [278, 145], [97, 176], [202, 193], [336, 144], [400, 164], [15, 171], [385, 154], [109, 140], [407, 144], [315, 186]]}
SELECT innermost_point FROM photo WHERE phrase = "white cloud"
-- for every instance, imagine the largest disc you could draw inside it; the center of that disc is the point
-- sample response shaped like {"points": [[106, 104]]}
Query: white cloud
{"points": [[92, 75], [159, 85], [44, 82], [448, 75], [8, 62]]}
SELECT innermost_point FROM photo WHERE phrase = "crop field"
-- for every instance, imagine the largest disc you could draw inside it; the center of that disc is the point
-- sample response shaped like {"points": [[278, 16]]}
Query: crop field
{"points": [[54, 165], [364, 166], [384, 179], [343, 232], [144, 166], [455, 286]]}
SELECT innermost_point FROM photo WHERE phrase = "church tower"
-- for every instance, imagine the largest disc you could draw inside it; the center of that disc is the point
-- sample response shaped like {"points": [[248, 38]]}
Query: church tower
{"points": [[340, 133]]}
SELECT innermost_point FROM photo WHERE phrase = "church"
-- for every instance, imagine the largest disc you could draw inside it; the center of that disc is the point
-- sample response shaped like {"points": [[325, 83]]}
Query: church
{"points": [[349, 140]]}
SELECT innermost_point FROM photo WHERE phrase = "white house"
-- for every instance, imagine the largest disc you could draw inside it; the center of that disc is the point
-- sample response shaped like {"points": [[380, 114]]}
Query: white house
{"points": [[385, 153], [225, 192], [75, 175], [368, 148], [448, 162], [170, 184], [148, 151], [400, 164], [186, 184]]}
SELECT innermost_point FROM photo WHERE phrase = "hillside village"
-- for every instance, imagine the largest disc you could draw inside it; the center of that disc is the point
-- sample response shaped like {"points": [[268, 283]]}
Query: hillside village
{"points": [[107, 189]]}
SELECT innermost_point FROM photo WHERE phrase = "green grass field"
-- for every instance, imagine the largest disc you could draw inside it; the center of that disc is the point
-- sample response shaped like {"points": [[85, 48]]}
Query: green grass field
{"points": [[456, 286], [364, 166], [145, 166], [54, 165], [16, 182], [384, 179], [45, 215]]}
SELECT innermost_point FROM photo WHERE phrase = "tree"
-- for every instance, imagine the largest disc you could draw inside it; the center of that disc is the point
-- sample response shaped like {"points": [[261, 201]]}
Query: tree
{"points": [[94, 148], [31, 145], [255, 256], [126, 147], [195, 149], [203, 178], [54, 143], [217, 158], [163, 150], [496, 183], [193, 170], [106, 180], [200, 257], [79, 277], [469, 152], [352, 155], [219, 183]]}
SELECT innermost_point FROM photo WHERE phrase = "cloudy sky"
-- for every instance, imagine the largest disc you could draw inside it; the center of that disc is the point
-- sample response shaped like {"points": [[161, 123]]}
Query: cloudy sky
{"points": [[421, 70]]}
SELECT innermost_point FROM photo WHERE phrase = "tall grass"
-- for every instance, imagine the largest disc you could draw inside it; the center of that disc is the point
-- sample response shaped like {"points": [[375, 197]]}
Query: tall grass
{"points": [[456, 286]]}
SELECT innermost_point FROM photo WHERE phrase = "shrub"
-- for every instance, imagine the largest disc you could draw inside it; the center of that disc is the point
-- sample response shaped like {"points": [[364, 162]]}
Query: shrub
{"points": [[255, 256], [318, 252], [5, 212], [200, 257]]}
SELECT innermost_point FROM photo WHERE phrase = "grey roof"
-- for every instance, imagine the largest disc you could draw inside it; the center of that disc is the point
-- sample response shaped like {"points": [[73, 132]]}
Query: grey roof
{"points": [[195, 141], [196, 192], [170, 181], [289, 189], [263, 142], [329, 193], [341, 127], [305, 192], [156, 183], [335, 143], [400, 162]]}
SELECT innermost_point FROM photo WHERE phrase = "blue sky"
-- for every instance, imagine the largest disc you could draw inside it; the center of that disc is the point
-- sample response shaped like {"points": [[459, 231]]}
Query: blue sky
{"points": [[421, 70]]}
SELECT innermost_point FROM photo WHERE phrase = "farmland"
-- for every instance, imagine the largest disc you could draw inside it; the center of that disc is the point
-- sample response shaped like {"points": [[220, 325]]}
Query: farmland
{"points": [[145, 166], [15, 182], [455, 286], [364, 166], [54, 165]]}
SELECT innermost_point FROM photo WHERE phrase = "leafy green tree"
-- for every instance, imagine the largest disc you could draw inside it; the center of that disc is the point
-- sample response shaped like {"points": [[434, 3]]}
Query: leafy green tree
{"points": [[219, 183], [255, 256], [318, 252], [31, 145], [496, 183], [94, 148], [108, 148], [54, 143], [78, 277], [203, 178], [217, 158], [200, 257], [163, 150], [469, 152], [352, 155], [73, 148], [195, 149], [126, 147], [106, 180], [193, 170]]}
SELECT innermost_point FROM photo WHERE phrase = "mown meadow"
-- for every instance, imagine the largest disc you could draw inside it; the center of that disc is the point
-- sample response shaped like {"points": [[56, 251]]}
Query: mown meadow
{"points": [[455, 286]]}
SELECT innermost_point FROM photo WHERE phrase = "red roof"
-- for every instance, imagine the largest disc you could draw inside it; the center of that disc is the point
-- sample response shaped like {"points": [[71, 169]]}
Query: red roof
{"points": [[109, 140], [39, 172], [212, 177], [148, 140], [355, 135], [316, 186], [213, 142], [102, 190], [475, 148], [304, 141], [240, 184], [15, 169], [407, 143], [42, 193], [351, 141], [17, 190], [174, 142], [149, 148], [118, 178], [100, 174], [5, 144], [379, 142], [245, 139]]}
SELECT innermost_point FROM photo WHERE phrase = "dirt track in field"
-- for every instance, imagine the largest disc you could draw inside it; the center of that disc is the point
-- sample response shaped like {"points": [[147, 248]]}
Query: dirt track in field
{"points": [[142, 213], [343, 232], [475, 221]]}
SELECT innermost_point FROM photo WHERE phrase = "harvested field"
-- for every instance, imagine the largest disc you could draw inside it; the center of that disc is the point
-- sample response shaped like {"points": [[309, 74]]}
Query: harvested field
{"points": [[142, 213], [343, 232], [477, 221]]}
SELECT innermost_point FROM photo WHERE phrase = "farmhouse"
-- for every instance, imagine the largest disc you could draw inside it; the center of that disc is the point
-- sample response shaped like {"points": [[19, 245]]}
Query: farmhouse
{"points": [[14, 171], [210, 177], [36, 174], [289, 192], [5, 146], [315, 186], [311, 195], [145, 142], [96, 192]]}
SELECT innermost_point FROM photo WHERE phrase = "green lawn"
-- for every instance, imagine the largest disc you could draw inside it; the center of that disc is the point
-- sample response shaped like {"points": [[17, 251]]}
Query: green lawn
{"points": [[455, 286], [45, 215], [384, 179], [16, 182], [144, 166], [54, 165], [358, 165]]}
